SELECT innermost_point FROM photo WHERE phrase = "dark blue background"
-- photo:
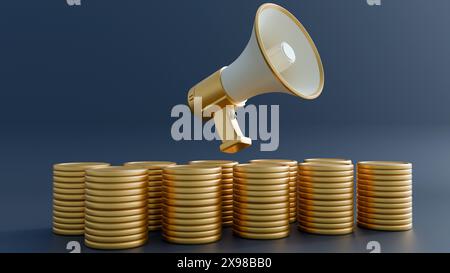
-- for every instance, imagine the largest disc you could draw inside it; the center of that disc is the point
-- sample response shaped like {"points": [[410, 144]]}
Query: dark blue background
{"points": [[98, 81]]}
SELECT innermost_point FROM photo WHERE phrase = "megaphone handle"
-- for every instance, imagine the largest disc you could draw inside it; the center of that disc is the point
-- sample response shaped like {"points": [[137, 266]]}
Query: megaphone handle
{"points": [[229, 131]]}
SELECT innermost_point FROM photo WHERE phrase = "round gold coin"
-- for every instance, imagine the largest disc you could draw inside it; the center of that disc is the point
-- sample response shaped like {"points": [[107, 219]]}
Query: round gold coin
{"points": [[349, 224], [154, 211], [116, 239], [325, 179], [197, 190], [68, 232], [193, 183], [126, 245], [62, 203], [193, 196], [68, 174], [326, 173], [385, 205], [116, 193], [384, 211], [385, 227], [254, 199], [263, 206], [63, 185], [68, 197], [68, 209], [326, 203], [192, 170], [318, 231], [338, 220], [287, 162], [192, 203], [198, 228], [384, 200], [225, 164], [155, 206], [324, 167], [193, 241], [330, 160], [115, 226], [155, 178], [122, 219], [325, 208], [228, 197], [385, 216], [155, 194], [116, 199], [321, 214], [262, 211], [384, 172], [79, 166], [154, 228], [198, 215], [154, 217], [261, 224], [227, 176], [227, 186], [62, 179], [385, 177], [151, 165], [195, 209], [155, 173], [113, 233], [227, 202], [262, 236], [116, 206], [384, 165], [400, 194], [155, 222], [115, 171], [191, 222], [227, 192], [325, 191], [74, 215], [387, 183], [313, 196], [111, 179], [116, 186], [192, 234], [258, 176], [244, 193], [384, 189], [191, 177], [68, 221], [261, 168], [261, 230], [68, 226], [155, 200], [229, 207], [261, 181], [260, 218], [317, 185]]}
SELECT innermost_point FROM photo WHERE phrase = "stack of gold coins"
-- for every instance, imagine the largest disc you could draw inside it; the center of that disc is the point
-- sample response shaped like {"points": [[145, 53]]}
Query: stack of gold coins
{"points": [[292, 183], [116, 207], [330, 160], [325, 198], [261, 201], [68, 196], [192, 204], [384, 200], [154, 190], [227, 186]]}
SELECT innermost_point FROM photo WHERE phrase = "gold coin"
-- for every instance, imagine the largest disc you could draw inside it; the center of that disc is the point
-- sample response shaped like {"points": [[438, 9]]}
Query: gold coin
{"points": [[193, 196], [313, 196], [326, 226], [385, 177], [122, 219], [126, 245], [384, 194], [190, 177], [384, 211], [261, 230], [281, 205], [63, 179], [113, 233], [116, 186], [155, 194], [155, 206], [199, 209], [384, 189], [79, 166], [68, 221], [193, 241], [191, 222], [154, 217], [115, 226], [68, 226], [229, 207], [385, 205], [63, 185], [323, 167], [154, 228], [343, 231], [227, 202], [287, 162], [115, 171], [227, 213], [196, 190], [227, 176], [116, 239], [155, 222], [326, 208], [227, 192], [155, 189], [198, 228], [192, 170], [198, 215], [151, 165], [116, 199], [68, 174], [329, 160], [262, 211], [63, 203], [326, 203], [155, 200], [385, 228], [385, 216], [192, 234], [154, 211], [68, 197], [255, 199], [227, 219], [116, 193], [338, 220], [325, 191], [192, 203], [63, 214], [384, 172], [325, 179], [261, 236], [260, 218], [124, 179], [326, 173], [261, 181], [227, 186], [388, 183], [261, 168], [321, 214], [68, 209], [67, 232], [258, 176], [384, 200], [155, 173], [384, 165], [317, 185], [193, 183], [227, 197], [225, 164], [116, 206], [245, 193], [261, 224]]}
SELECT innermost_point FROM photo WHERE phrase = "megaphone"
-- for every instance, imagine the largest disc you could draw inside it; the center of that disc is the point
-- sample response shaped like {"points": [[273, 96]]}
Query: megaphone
{"points": [[280, 57]]}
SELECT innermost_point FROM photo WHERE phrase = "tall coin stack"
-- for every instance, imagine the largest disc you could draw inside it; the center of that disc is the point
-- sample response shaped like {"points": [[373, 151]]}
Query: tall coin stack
{"points": [[325, 198], [261, 201], [116, 208], [292, 183], [384, 200], [154, 190], [192, 204], [227, 186], [68, 196]]}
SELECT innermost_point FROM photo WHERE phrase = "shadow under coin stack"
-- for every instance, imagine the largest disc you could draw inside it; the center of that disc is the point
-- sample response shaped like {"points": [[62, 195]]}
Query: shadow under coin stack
{"points": [[116, 208], [154, 190], [292, 183], [325, 198], [261, 201], [227, 186], [192, 204], [384, 200], [68, 196]]}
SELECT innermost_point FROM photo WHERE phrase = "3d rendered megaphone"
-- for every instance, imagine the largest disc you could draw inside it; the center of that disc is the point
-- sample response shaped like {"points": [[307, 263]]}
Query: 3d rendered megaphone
{"points": [[280, 57]]}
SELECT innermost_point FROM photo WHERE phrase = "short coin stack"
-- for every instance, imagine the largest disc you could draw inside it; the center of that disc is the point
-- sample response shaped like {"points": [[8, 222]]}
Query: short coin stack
{"points": [[116, 208], [154, 190], [227, 186], [192, 204], [261, 201], [292, 183], [68, 196], [384, 200], [325, 198]]}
